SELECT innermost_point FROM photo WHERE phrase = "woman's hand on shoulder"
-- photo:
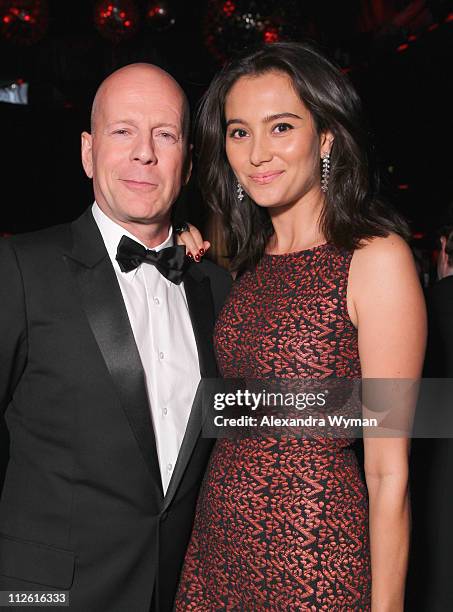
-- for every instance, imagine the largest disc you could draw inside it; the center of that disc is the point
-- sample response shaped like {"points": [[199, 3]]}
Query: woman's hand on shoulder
{"points": [[192, 239]]}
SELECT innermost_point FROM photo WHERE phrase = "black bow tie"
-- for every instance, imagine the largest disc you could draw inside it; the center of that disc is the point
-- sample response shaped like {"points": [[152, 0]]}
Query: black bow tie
{"points": [[171, 262]]}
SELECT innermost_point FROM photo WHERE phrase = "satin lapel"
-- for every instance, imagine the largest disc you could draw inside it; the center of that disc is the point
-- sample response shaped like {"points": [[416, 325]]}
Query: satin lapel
{"points": [[201, 308], [103, 304]]}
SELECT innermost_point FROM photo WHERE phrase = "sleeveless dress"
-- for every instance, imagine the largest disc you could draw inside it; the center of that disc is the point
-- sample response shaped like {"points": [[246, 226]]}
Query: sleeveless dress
{"points": [[282, 523]]}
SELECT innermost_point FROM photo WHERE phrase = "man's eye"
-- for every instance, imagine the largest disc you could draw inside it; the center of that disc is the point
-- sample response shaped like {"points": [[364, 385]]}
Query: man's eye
{"points": [[238, 133], [121, 132], [167, 136], [282, 127]]}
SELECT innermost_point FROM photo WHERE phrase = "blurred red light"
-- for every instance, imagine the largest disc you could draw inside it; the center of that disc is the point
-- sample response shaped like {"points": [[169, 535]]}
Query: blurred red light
{"points": [[270, 36], [156, 10], [403, 186], [228, 8], [402, 47]]}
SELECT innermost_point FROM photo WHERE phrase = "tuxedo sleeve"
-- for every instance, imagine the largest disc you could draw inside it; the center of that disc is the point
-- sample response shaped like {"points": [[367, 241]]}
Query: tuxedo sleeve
{"points": [[13, 334]]}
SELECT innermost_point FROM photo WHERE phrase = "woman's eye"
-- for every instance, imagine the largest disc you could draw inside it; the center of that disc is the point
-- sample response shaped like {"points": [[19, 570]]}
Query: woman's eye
{"points": [[282, 127], [238, 133]]}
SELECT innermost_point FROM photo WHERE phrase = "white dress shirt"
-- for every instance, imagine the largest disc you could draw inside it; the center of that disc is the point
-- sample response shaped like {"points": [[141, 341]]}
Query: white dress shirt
{"points": [[162, 329]]}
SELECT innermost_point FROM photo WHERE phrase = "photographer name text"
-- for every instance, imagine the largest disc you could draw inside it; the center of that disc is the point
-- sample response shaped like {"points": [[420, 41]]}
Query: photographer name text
{"points": [[271, 421]]}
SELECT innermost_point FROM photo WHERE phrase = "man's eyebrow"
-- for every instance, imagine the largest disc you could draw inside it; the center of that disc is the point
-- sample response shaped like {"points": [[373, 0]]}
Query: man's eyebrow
{"points": [[172, 125], [129, 121], [267, 119], [133, 123]]}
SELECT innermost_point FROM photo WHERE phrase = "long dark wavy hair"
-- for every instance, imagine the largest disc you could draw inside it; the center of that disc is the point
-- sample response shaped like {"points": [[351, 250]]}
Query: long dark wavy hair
{"points": [[353, 210]]}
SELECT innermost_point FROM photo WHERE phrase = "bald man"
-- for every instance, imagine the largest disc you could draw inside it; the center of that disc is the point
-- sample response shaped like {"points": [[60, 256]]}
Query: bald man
{"points": [[105, 334]]}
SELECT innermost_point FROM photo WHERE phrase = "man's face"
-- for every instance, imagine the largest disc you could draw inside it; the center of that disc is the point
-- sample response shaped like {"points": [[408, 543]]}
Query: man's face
{"points": [[136, 152]]}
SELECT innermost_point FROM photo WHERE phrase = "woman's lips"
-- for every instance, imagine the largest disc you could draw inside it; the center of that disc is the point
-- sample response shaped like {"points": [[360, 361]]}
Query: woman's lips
{"points": [[266, 177], [139, 185]]}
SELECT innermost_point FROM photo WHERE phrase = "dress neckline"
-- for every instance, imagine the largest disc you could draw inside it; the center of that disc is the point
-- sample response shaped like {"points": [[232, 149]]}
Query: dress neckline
{"points": [[296, 253]]}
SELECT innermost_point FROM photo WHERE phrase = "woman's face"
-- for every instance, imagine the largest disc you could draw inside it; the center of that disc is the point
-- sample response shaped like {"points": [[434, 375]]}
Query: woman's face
{"points": [[271, 140]]}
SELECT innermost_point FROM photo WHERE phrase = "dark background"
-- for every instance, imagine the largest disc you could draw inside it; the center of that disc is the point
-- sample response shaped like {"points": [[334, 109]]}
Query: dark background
{"points": [[398, 53]]}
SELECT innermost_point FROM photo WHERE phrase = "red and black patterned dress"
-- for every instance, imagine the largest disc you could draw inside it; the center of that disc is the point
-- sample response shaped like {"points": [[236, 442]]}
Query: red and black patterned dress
{"points": [[282, 524]]}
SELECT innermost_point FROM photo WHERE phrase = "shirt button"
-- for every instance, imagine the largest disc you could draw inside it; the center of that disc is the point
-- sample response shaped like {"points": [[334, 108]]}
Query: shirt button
{"points": [[169, 467], [156, 301], [161, 355], [165, 410]]}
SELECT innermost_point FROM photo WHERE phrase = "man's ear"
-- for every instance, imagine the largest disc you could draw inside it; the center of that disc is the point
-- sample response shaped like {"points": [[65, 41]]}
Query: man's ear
{"points": [[87, 153], [326, 142], [443, 243], [187, 169]]}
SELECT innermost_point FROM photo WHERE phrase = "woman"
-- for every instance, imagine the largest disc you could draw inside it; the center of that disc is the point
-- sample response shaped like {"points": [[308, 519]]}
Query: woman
{"points": [[327, 288]]}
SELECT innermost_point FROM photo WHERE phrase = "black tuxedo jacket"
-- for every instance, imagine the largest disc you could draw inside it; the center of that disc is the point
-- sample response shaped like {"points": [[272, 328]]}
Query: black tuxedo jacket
{"points": [[82, 507], [439, 352], [430, 585]]}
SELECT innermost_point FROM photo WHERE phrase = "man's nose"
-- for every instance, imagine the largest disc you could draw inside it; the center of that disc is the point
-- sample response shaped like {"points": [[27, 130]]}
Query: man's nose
{"points": [[144, 151], [260, 151]]}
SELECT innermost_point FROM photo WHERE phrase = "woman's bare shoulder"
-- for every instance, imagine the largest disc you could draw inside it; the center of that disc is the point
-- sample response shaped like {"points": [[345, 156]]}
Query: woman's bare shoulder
{"points": [[391, 245], [388, 254]]}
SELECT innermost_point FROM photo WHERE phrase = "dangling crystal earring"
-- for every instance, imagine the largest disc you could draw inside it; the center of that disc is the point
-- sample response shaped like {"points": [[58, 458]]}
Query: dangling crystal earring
{"points": [[239, 192], [325, 172]]}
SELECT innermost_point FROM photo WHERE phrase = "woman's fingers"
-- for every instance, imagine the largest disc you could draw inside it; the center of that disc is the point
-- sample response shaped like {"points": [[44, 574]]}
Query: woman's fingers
{"points": [[196, 247], [186, 239], [197, 238]]}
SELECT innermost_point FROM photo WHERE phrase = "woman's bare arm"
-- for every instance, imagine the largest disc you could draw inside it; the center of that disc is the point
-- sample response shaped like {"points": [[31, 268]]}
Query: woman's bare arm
{"points": [[386, 303]]}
